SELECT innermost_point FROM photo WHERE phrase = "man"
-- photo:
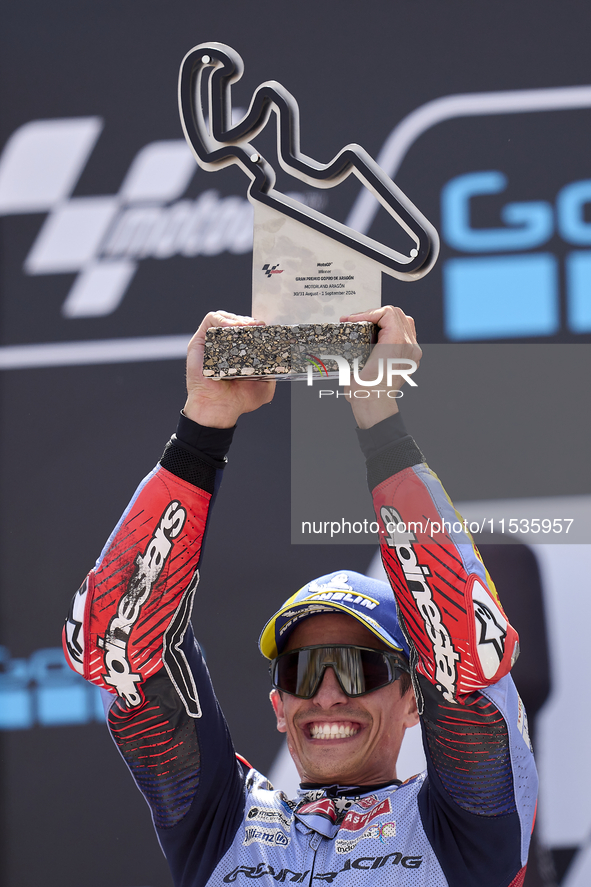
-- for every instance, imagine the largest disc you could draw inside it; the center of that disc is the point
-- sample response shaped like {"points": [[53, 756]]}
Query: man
{"points": [[344, 652]]}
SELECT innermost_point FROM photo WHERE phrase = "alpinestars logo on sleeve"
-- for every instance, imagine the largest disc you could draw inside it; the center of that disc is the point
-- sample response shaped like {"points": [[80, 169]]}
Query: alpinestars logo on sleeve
{"points": [[149, 565], [444, 653]]}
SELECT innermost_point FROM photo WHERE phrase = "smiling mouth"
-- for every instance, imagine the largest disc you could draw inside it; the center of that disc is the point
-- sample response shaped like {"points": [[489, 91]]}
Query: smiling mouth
{"points": [[332, 731]]}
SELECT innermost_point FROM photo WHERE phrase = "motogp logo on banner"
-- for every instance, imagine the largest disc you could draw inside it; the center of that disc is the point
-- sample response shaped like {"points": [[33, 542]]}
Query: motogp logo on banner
{"points": [[102, 239]]}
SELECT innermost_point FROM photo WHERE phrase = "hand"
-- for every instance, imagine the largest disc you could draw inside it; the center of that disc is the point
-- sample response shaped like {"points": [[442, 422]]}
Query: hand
{"points": [[397, 330], [218, 403]]}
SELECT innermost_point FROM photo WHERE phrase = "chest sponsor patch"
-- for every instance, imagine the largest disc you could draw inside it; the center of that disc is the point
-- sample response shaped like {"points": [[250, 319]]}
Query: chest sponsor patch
{"points": [[267, 814], [357, 822], [380, 832], [366, 803], [272, 837]]}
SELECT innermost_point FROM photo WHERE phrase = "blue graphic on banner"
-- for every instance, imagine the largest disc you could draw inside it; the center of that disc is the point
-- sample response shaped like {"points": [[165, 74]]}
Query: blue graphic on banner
{"points": [[578, 283], [43, 691], [504, 296], [501, 296]]}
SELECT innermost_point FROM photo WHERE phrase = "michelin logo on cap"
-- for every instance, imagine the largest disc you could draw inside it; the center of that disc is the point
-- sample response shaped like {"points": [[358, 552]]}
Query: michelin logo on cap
{"points": [[335, 590], [339, 589], [345, 597]]}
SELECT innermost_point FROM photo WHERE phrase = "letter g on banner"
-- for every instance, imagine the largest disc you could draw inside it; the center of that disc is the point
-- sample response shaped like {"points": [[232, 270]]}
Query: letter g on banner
{"points": [[531, 223], [570, 207]]}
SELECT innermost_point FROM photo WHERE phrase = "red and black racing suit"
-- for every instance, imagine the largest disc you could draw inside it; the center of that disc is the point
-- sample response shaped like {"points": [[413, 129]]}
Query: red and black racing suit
{"points": [[466, 821]]}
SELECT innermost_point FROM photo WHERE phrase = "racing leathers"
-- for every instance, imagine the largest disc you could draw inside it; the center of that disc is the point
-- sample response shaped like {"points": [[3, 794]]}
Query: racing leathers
{"points": [[465, 821]]}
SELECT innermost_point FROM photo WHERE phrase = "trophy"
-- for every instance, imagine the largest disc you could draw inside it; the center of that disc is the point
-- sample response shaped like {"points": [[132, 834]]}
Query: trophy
{"points": [[308, 269]]}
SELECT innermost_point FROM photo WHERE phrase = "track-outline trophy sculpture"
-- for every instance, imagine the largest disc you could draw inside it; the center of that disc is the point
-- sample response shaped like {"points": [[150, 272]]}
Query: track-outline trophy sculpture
{"points": [[290, 236]]}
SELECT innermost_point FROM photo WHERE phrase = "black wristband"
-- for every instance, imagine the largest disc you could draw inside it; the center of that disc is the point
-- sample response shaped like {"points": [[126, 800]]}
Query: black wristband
{"points": [[196, 451], [190, 465], [201, 440], [404, 453], [379, 437]]}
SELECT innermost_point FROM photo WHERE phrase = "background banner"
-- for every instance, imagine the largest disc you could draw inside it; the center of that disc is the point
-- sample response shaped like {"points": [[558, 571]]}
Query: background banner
{"points": [[113, 247]]}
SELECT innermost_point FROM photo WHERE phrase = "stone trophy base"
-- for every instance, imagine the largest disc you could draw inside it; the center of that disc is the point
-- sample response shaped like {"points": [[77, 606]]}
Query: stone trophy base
{"points": [[284, 352]]}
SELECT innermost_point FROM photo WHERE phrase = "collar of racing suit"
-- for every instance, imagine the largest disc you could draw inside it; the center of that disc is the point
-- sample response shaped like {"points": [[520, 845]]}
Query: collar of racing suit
{"points": [[323, 808], [334, 791]]}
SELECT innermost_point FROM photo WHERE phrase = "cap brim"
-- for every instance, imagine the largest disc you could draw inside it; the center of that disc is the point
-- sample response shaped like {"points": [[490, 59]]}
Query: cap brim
{"points": [[268, 639]]}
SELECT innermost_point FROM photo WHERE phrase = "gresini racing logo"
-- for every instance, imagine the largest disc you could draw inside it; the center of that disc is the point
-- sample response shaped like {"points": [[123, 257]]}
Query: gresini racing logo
{"points": [[149, 566], [401, 539], [351, 866]]}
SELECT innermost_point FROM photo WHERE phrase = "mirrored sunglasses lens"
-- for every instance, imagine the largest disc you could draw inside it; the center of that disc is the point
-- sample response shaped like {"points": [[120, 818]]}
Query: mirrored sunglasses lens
{"points": [[285, 672], [377, 671], [308, 674], [298, 673], [359, 671], [348, 663]]}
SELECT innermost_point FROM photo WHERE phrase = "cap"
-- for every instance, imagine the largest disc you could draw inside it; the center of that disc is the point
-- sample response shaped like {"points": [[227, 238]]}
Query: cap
{"points": [[370, 601]]}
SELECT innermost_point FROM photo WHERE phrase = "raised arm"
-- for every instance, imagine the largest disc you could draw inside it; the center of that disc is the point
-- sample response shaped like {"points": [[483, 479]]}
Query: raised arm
{"points": [[479, 803], [129, 631]]}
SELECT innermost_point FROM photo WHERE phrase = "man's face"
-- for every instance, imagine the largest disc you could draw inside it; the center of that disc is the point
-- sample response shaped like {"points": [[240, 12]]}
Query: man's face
{"points": [[374, 724]]}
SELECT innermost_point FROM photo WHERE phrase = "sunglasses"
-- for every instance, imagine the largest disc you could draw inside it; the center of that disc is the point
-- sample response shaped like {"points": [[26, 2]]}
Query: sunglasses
{"points": [[359, 670]]}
